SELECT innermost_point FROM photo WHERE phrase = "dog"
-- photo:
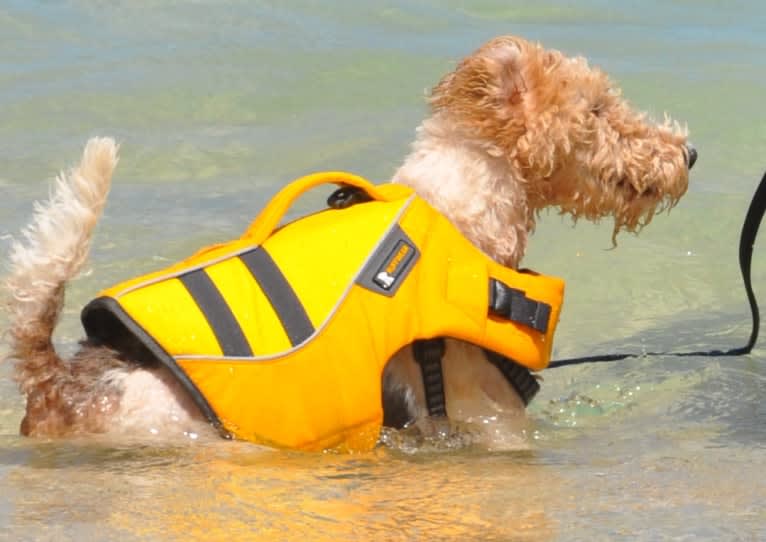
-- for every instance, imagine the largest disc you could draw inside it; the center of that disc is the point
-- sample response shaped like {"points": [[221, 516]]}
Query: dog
{"points": [[514, 129]]}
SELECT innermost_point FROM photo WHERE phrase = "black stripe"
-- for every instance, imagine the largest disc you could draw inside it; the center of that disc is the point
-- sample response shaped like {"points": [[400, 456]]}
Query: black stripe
{"points": [[217, 312], [280, 294]]}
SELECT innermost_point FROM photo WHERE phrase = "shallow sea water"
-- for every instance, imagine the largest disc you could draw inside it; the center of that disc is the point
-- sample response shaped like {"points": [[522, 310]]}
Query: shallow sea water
{"points": [[218, 104]]}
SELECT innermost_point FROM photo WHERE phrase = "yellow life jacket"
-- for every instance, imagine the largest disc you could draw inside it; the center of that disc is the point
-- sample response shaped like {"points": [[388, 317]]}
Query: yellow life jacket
{"points": [[281, 336]]}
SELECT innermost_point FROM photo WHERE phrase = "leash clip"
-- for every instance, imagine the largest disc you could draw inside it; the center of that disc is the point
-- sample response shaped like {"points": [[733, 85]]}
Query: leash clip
{"points": [[346, 196]]}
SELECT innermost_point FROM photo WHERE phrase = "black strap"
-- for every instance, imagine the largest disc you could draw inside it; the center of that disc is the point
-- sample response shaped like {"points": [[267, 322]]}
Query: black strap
{"points": [[219, 317], [429, 353], [280, 294], [746, 242], [514, 305], [518, 376]]}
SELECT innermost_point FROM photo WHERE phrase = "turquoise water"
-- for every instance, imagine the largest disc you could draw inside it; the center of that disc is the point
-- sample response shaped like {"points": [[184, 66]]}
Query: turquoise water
{"points": [[217, 104]]}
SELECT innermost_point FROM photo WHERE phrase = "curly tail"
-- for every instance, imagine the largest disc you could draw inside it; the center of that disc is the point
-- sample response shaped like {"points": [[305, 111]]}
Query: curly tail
{"points": [[54, 249]]}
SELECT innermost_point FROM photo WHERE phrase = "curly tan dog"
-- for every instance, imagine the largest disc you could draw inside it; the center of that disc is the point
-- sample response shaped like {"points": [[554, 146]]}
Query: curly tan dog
{"points": [[514, 129], [517, 128]]}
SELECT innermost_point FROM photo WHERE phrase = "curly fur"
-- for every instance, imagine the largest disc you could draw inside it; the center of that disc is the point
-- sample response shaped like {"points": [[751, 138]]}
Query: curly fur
{"points": [[97, 390], [514, 129]]}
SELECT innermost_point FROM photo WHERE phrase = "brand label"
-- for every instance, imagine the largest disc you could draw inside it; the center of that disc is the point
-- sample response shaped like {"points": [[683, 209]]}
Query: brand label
{"points": [[395, 265], [390, 264]]}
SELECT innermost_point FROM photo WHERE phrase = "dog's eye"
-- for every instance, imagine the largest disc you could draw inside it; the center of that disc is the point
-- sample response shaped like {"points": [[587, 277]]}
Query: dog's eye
{"points": [[624, 184], [597, 109]]}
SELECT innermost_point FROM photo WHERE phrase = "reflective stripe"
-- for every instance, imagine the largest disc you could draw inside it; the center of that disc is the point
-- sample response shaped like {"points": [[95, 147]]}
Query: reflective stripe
{"points": [[219, 317], [280, 294]]}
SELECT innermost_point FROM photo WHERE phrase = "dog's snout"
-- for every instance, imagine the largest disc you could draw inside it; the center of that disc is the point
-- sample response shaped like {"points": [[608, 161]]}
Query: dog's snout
{"points": [[692, 153]]}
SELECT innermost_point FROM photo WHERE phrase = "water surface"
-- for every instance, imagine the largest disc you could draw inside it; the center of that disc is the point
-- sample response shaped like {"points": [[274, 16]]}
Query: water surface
{"points": [[218, 104]]}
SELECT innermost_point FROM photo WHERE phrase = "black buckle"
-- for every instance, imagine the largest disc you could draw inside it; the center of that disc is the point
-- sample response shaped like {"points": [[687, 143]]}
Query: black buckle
{"points": [[514, 305]]}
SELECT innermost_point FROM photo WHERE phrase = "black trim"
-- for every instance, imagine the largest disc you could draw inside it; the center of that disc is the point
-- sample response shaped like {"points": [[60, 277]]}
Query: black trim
{"points": [[217, 312], [98, 320], [514, 305], [518, 376], [280, 294], [429, 353]]}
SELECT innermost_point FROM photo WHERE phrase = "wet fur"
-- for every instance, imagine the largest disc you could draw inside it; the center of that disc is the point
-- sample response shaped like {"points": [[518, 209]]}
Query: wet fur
{"points": [[514, 129]]}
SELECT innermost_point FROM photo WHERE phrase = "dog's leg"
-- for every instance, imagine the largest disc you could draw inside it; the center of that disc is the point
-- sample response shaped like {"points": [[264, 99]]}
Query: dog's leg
{"points": [[54, 250], [474, 388]]}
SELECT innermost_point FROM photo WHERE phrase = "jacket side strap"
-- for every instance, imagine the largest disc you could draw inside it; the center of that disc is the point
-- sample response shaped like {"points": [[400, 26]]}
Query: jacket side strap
{"points": [[429, 353]]}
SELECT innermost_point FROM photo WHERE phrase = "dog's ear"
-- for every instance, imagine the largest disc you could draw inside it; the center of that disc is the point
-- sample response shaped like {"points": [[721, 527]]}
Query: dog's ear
{"points": [[485, 92], [555, 110], [505, 83]]}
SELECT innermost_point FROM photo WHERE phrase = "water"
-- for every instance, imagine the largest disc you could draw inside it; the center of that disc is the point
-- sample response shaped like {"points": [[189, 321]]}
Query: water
{"points": [[217, 104]]}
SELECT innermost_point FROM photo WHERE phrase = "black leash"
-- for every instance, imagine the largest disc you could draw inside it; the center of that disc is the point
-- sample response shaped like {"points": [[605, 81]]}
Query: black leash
{"points": [[746, 242]]}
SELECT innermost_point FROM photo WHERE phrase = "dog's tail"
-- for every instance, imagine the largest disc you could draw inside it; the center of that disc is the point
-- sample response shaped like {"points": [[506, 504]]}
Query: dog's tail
{"points": [[54, 249]]}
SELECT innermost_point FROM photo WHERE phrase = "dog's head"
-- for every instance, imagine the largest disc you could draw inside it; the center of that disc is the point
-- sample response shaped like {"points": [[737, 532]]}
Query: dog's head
{"points": [[566, 133]]}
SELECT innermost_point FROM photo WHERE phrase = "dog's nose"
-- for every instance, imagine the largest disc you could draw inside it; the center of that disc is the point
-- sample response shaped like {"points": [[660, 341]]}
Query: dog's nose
{"points": [[692, 154]]}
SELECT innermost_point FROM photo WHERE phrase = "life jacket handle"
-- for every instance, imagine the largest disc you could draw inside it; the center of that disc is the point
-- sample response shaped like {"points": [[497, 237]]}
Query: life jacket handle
{"points": [[268, 220]]}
